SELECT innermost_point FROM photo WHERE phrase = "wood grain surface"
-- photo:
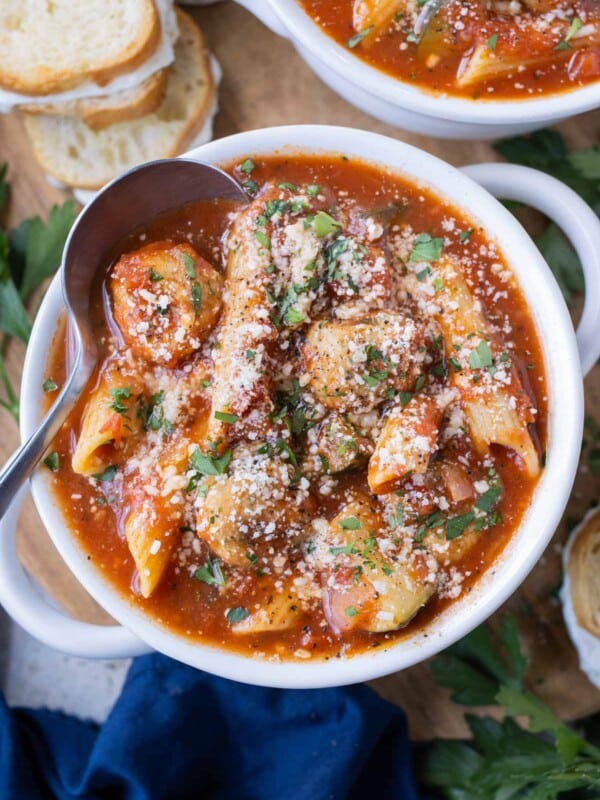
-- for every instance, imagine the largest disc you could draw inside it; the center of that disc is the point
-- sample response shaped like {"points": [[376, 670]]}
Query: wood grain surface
{"points": [[266, 83]]}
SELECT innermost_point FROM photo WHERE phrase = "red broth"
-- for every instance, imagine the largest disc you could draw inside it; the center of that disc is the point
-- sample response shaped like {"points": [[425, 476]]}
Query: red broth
{"points": [[511, 51], [413, 512]]}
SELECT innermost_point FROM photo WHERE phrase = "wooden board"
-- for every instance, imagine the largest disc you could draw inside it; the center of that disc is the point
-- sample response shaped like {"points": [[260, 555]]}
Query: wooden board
{"points": [[266, 83]]}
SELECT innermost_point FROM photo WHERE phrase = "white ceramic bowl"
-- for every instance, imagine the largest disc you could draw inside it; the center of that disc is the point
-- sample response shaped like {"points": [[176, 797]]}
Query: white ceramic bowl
{"points": [[407, 106], [564, 355]]}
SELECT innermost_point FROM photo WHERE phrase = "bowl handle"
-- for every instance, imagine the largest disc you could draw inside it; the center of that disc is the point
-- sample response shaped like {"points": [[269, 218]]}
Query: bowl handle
{"points": [[27, 606], [580, 224], [263, 11]]}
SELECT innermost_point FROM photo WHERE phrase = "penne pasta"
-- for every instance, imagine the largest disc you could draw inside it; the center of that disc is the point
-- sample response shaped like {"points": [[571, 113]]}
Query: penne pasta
{"points": [[408, 440], [376, 14], [109, 419]]}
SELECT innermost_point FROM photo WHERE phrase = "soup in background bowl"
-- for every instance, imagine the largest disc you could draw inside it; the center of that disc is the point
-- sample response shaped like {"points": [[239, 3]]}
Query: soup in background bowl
{"points": [[331, 431], [480, 70], [500, 50]]}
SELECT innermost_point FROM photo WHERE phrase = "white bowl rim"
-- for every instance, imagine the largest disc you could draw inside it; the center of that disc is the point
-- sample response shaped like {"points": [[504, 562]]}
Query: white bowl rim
{"points": [[400, 93], [564, 430]]}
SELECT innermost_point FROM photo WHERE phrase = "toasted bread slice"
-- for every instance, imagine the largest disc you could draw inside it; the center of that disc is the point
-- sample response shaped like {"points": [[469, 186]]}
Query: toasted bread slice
{"points": [[50, 47], [99, 112], [584, 573], [77, 156]]}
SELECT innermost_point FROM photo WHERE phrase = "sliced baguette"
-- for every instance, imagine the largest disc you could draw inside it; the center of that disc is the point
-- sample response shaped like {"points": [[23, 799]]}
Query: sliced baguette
{"points": [[49, 47], [99, 112], [584, 573], [77, 156]]}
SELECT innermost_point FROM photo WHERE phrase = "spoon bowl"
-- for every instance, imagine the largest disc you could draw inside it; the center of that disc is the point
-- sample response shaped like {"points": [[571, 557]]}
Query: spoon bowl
{"points": [[123, 206]]}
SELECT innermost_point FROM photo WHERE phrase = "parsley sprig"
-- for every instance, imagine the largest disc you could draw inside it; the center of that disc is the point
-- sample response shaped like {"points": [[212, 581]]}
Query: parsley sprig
{"points": [[29, 254], [544, 760], [546, 150]]}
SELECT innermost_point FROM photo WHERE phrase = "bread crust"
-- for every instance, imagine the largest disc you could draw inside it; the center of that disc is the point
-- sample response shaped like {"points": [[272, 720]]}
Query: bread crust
{"points": [[189, 130], [49, 81], [100, 112], [584, 573]]}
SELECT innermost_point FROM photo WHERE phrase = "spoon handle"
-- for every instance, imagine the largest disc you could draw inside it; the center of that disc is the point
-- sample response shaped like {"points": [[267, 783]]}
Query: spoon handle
{"points": [[22, 463], [427, 13]]}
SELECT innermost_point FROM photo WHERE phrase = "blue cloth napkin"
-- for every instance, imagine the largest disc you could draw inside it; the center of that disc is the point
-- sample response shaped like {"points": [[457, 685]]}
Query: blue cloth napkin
{"points": [[176, 732]]}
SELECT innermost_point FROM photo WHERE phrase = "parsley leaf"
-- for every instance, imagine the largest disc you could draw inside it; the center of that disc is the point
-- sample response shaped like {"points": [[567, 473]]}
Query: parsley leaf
{"points": [[355, 40], [350, 524], [481, 356], [108, 474], [190, 267], [248, 166], [562, 260], [237, 614], [426, 248], [205, 464], [49, 385], [29, 254], [222, 416], [503, 759], [325, 224], [52, 461], [211, 573]]}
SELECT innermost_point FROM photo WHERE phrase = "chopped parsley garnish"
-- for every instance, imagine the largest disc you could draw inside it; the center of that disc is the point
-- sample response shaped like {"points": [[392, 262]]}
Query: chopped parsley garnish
{"points": [[293, 316], [420, 383], [205, 464], [426, 248], [313, 189], [211, 573], [489, 499], [455, 364], [251, 187], [423, 274], [155, 276], [575, 25], [283, 447], [350, 611], [481, 357], [404, 398], [492, 42], [237, 614], [248, 166], [456, 526], [262, 238], [343, 550], [196, 297], [465, 235], [153, 414], [438, 284], [108, 475], [49, 386], [250, 355], [291, 187], [325, 224], [52, 461], [118, 395], [432, 521], [374, 378], [355, 40], [222, 416], [350, 524], [190, 267], [273, 207]]}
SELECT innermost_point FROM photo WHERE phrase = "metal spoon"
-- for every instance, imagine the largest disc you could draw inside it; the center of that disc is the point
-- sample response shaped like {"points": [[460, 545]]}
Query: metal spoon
{"points": [[427, 13], [126, 204]]}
